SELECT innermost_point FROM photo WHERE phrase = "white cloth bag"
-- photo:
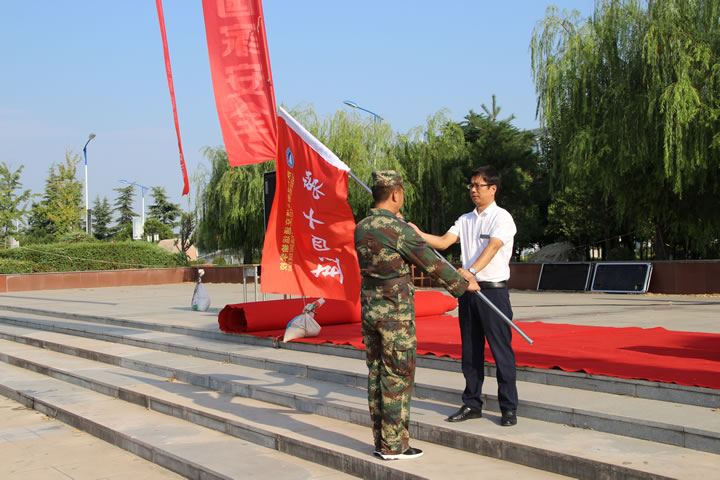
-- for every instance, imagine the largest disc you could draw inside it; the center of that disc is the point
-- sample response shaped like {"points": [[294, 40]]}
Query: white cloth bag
{"points": [[304, 325]]}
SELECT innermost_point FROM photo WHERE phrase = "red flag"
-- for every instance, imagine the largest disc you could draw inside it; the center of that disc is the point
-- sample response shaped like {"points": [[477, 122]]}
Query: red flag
{"points": [[242, 79], [309, 244], [161, 17]]}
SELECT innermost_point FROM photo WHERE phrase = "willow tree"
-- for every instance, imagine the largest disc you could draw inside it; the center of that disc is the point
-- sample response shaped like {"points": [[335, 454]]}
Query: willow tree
{"points": [[362, 144], [631, 101], [432, 157], [229, 205]]}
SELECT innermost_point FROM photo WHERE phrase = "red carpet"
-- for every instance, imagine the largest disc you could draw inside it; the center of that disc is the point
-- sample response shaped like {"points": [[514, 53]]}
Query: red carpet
{"points": [[275, 314], [652, 354]]}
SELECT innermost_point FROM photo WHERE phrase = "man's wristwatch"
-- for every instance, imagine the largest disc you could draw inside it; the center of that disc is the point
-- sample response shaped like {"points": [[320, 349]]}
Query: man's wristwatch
{"points": [[473, 271]]}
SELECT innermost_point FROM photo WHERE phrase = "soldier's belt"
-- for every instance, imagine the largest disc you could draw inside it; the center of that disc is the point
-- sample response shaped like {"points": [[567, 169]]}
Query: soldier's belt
{"points": [[377, 282]]}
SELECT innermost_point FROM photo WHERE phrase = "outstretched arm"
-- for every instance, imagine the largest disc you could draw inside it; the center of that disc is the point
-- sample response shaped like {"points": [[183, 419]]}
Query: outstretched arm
{"points": [[439, 243]]}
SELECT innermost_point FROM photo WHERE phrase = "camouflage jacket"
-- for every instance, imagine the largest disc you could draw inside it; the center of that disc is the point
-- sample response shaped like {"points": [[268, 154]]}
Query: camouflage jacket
{"points": [[386, 247]]}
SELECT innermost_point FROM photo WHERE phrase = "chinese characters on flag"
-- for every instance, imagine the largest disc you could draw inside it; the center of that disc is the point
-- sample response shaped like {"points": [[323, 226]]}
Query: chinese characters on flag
{"points": [[242, 80], [309, 246]]}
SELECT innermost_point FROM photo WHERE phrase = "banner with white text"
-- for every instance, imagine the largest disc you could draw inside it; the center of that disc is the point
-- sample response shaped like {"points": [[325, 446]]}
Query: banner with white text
{"points": [[242, 80], [309, 244]]}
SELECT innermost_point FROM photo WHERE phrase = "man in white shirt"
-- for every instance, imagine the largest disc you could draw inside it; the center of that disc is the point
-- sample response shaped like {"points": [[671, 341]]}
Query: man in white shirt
{"points": [[486, 240]]}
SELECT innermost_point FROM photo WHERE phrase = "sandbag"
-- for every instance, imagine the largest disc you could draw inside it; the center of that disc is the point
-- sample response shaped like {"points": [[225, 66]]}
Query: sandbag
{"points": [[304, 325], [200, 299]]}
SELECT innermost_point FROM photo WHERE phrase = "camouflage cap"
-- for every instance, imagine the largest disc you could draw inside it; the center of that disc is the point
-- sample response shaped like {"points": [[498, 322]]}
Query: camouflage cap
{"points": [[386, 178]]}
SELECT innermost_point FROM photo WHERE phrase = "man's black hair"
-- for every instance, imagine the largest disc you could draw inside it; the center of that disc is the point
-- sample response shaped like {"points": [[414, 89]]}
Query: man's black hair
{"points": [[380, 194], [489, 174]]}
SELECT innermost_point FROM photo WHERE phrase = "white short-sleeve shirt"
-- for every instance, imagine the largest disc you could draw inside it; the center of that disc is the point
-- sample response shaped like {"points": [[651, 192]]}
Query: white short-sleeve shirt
{"points": [[475, 230]]}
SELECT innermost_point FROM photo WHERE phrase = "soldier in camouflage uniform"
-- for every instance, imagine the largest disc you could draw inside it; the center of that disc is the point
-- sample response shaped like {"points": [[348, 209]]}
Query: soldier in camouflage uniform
{"points": [[386, 247]]}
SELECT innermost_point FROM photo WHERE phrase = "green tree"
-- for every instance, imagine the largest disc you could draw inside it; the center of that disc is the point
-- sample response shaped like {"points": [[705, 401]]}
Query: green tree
{"points": [[61, 208], [101, 218], [362, 144], [154, 226], [122, 233], [229, 205], [631, 101], [494, 111], [123, 207], [524, 190], [163, 210], [187, 231], [432, 159], [38, 229], [12, 203]]}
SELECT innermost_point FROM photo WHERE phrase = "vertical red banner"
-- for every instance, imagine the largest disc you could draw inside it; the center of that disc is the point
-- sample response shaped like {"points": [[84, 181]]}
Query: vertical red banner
{"points": [[242, 80], [309, 244], [168, 71]]}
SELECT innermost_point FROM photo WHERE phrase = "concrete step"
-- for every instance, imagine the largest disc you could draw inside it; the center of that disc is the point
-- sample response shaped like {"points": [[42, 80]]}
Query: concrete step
{"points": [[190, 450], [34, 446], [659, 421], [579, 453], [203, 433], [81, 324]]}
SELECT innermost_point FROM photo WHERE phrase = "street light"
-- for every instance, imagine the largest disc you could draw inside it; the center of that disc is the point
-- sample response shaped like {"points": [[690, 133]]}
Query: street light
{"points": [[87, 204], [142, 189], [376, 118], [352, 104]]}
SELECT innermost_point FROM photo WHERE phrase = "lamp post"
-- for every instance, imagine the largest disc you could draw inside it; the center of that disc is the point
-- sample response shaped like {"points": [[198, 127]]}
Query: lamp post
{"points": [[87, 200], [142, 190], [376, 117]]}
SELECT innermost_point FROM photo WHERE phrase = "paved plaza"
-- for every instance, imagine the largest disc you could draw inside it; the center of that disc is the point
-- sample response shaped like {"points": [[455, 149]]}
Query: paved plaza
{"points": [[34, 446]]}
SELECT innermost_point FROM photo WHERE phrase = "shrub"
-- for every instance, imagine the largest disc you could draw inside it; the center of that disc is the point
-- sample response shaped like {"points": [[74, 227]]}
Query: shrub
{"points": [[10, 266], [71, 257], [75, 237]]}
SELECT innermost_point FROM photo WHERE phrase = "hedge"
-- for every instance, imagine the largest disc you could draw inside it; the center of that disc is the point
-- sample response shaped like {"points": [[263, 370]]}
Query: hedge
{"points": [[73, 257]]}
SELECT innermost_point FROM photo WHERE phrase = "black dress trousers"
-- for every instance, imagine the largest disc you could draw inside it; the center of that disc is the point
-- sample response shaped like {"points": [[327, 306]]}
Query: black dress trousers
{"points": [[477, 323]]}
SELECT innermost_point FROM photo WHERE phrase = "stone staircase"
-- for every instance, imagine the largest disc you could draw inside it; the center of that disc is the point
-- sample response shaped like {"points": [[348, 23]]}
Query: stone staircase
{"points": [[210, 405]]}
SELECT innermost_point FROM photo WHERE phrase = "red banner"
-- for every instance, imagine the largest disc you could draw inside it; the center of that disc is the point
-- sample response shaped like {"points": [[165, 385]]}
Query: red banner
{"points": [[161, 18], [242, 79], [309, 244]]}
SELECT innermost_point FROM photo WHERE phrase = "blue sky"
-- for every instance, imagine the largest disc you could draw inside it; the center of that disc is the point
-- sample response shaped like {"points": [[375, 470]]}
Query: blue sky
{"points": [[74, 67]]}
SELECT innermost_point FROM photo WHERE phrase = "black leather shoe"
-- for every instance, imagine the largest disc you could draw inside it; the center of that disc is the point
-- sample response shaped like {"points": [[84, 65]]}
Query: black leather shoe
{"points": [[465, 413], [508, 418]]}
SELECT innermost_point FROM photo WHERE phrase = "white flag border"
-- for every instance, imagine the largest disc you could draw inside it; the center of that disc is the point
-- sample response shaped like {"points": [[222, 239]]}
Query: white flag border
{"points": [[312, 142]]}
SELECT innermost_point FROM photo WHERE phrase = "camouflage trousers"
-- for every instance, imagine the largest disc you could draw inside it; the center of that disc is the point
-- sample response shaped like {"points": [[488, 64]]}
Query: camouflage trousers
{"points": [[390, 355]]}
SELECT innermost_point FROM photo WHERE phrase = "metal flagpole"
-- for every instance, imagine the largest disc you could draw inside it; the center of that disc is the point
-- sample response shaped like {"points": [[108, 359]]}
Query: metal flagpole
{"points": [[480, 294], [359, 181]]}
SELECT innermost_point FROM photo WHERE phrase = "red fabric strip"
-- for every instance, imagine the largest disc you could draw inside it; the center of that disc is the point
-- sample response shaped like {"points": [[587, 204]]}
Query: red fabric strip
{"points": [[242, 80], [161, 17]]}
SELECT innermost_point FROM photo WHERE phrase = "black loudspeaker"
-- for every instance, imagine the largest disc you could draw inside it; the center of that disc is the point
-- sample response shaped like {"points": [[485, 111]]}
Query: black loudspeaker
{"points": [[268, 194]]}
